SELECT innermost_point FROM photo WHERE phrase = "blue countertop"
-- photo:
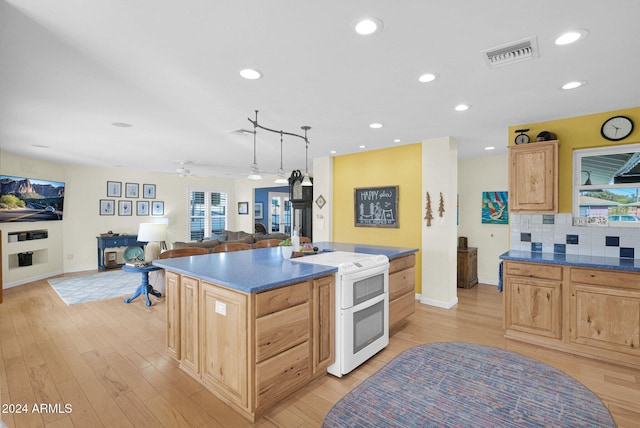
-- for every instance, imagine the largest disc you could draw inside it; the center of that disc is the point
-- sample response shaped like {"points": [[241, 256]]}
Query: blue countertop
{"points": [[596, 262], [252, 271]]}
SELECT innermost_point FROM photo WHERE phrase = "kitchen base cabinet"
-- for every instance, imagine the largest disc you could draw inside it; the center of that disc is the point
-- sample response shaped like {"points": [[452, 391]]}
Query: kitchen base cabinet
{"points": [[252, 350], [189, 326], [589, 312], [172, 293], [402, 290], [223, 344]]}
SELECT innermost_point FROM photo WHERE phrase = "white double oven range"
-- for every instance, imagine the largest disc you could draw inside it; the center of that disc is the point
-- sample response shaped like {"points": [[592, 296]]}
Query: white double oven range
{"points": [[362, 306]]}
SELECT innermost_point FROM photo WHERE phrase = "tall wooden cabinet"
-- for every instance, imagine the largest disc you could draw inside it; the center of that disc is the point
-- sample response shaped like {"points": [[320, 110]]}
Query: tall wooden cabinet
{"points": [[533, 177], [467, 267]]}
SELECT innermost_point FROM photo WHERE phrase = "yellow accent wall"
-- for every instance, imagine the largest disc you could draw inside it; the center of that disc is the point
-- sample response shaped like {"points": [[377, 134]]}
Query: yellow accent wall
{"points": [[399, 166], [579, 132]]}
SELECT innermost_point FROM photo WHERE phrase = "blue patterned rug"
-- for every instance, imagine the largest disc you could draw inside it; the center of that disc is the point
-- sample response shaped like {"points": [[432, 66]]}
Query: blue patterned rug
{"points": [[465, 385], [97, 286]]}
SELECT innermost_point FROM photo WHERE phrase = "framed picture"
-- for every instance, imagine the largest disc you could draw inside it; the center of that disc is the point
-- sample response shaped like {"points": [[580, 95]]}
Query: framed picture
{"points": [[243, 208], [258, 210], [107, 207], [157, 208], [149, 191], [131, 190], [142, 207], [376, 206], [125, 207], [495, 207], [114, 189]]}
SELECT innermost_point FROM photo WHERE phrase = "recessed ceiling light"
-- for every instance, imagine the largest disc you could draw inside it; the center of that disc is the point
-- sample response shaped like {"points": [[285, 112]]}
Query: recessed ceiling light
{"points": [[397, 140], [122, 124], [368, 26], [461, 107], [362, 146], [427, 77], [250, 74], [376, 125], [333, 152], [490, 148], [573, 85], [571, 37]]}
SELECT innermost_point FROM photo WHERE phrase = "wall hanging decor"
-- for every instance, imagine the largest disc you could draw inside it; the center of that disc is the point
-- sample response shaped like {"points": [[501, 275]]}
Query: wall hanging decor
{"points": [[495, 207], [441, 206], [243, 208], [376, 206], [428, 216]]}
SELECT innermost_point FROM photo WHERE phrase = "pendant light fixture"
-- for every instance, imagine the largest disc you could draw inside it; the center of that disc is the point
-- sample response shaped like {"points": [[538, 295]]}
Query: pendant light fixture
{"points": [[306, 181], [281, 179], [254, 173]]}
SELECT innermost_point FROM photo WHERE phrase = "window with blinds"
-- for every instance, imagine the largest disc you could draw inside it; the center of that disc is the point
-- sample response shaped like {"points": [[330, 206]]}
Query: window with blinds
{"points": [[207, 214]]}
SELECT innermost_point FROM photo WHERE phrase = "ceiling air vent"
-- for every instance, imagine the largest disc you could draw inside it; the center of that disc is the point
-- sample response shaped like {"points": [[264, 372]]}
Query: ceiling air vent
{"points": [[511, 53]]}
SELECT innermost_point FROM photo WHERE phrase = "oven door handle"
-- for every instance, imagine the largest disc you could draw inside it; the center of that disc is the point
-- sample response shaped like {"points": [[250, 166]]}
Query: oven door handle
{"points": [[367, 303]]}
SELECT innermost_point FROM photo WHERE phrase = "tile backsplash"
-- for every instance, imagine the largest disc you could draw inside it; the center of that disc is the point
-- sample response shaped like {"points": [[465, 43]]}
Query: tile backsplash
{"points": [[555, 233]]}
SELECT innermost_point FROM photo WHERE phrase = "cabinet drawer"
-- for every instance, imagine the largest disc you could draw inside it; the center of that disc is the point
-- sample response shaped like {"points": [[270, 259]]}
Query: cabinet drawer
{"points": [[282, 330], [282, 298], [402, 263], [401, 282], [401, 308], [606, 278], [279, 375], [534, 270]]}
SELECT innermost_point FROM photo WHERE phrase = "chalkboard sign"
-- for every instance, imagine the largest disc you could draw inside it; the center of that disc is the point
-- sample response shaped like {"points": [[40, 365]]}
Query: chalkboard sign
{"points": [[376, 207]]}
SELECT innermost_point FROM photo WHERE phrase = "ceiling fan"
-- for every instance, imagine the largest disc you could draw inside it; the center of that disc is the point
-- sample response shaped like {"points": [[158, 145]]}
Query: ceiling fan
{"points": [[183, 169]]}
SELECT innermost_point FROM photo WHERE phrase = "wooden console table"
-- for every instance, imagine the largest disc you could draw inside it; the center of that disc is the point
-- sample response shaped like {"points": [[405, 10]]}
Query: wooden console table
{"points": [[105, 242]]}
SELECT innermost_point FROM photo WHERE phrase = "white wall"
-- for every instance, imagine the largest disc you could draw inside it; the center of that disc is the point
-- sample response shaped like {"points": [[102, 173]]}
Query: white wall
{"points": [[439, 241], [475, 175], [72, 244]]}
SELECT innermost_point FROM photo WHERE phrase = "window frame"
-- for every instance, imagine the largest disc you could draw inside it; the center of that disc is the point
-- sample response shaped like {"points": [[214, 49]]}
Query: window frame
{"points": [[577, 185], [207, 211]]}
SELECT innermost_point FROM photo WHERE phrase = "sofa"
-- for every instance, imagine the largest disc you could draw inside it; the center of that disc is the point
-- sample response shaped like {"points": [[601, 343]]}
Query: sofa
{"points": [[230, 236]]}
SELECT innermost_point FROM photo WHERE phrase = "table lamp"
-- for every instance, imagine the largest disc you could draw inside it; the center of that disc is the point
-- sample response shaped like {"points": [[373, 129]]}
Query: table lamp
{"points": [[153, 234]]}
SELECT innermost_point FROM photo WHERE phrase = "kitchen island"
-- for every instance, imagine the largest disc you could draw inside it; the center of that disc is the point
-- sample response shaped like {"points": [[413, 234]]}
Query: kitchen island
{"points": [[585, 305], [253, 327]]}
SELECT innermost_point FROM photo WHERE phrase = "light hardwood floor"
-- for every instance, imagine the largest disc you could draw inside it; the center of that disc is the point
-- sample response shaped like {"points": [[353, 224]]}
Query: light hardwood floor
{"points": [[107, 361]]}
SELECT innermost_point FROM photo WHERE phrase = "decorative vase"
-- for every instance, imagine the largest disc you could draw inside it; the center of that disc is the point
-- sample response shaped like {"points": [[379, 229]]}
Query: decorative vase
{"points": [[287, 251]]}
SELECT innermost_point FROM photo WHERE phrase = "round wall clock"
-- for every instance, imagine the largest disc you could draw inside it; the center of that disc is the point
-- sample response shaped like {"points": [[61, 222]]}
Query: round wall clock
{"points": [[616, 128]]}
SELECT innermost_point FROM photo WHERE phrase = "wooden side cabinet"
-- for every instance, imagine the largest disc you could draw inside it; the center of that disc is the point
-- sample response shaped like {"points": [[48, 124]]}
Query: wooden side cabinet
{"points": [[533, 177], [467, 267]]}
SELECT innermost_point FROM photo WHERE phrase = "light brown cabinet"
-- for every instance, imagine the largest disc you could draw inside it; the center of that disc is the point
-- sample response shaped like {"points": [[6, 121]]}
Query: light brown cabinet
{"points": [[585, 311], [605, 310], [189, 326], [252, 350], [533, 299], [402, 290], [533, 177], [467, 267], [172, 293], [223, 342]]}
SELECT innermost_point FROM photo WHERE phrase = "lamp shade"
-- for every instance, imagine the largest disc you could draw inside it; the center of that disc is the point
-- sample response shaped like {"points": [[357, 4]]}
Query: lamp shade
{"points": [[152, 232]]}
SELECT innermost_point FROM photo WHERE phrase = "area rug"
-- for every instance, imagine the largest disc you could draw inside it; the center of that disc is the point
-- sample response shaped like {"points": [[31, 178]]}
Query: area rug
{"points": [[466, 385], [98, 286]]}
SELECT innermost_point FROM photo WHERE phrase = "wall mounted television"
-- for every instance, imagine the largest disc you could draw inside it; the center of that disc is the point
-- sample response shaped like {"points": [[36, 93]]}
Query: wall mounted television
{"points": [[30, 199]]}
